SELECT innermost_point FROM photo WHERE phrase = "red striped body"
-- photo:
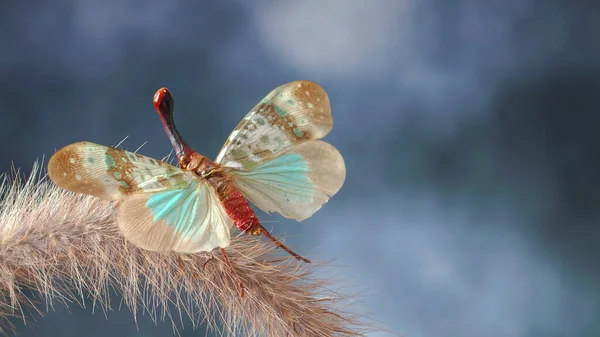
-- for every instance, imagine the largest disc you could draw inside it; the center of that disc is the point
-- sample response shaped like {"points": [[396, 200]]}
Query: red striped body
{"points": [[239, 211]]}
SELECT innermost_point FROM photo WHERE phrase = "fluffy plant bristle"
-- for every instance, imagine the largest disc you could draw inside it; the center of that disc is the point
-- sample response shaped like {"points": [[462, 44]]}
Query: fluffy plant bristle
{"points": [[66, 247]]}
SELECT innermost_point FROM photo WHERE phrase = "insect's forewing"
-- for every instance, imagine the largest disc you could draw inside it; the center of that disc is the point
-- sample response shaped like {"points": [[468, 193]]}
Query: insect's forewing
{"points": [[274, 157], [110, 173], [164, 208], [289, 115]]}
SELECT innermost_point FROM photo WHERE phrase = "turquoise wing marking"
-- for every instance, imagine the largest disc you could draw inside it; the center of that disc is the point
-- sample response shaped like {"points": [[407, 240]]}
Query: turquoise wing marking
{"points": [[173, 206], [287, 173], [295, 184], [189, 219]]}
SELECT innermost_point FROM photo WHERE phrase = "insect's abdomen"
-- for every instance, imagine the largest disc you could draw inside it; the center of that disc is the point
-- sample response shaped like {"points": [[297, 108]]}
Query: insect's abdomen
{"points": [[237, 208]]}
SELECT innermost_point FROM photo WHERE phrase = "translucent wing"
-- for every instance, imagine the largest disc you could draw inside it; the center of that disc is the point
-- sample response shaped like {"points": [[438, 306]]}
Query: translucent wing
{"points": [[164, 208], [187, 220], [289, 115], [111, 173], [273, 155], [295, 184]]}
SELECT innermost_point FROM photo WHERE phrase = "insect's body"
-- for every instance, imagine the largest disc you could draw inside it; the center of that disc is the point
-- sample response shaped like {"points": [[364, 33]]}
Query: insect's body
{"points": [[233, 201], [237, 207], [274, 158]]}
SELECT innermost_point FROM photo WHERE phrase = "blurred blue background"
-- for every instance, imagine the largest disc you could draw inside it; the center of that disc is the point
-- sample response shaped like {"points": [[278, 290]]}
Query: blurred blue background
{"points": [[469, 130]]}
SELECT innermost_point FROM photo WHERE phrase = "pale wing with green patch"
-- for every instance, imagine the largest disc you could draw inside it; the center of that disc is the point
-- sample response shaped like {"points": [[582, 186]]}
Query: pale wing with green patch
{"points": [[295, 184], [112, 174], [274, 157], [290, 115], [185, 220], [164, 208]]}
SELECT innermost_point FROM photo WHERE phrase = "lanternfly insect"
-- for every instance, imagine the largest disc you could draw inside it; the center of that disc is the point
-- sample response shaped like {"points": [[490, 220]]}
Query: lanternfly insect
{"points": [[273, 158]]}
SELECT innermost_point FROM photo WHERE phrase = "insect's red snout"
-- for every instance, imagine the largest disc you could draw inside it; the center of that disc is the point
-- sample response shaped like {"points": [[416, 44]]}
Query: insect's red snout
{"points": [[164, 102]]}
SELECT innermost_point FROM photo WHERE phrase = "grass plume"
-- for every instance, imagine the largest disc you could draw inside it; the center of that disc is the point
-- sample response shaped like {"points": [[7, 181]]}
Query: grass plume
{"points": [[66, 247]]}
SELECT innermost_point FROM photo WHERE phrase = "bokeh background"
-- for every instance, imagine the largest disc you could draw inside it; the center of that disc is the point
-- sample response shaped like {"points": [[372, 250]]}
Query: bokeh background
{"points": [[469, 130]]}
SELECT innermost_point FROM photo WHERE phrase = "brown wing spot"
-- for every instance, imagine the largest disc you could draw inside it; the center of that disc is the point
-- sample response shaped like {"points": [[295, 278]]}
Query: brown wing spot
{"points": [[164, 182], [67, 171], [285, 123], [62, 167], [121, 170]]}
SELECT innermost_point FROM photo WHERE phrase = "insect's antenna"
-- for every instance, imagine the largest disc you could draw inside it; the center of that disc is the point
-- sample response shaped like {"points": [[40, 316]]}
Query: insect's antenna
{"points": [[240, 283], [282, 246], [164, 103]]}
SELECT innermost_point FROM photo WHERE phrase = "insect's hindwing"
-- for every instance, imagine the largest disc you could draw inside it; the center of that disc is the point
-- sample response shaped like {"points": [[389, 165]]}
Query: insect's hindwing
{"points": [[295, 184], [185, 220]]}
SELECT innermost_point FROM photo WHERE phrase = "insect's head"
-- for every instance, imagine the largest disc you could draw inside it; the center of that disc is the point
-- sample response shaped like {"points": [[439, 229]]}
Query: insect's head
{"points": [[164, 103]]}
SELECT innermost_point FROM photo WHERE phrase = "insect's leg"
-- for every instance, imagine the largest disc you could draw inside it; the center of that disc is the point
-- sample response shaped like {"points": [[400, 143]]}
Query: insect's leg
{"points": [[212, 257], [210, 172], [282, 246], [240, 283]]}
